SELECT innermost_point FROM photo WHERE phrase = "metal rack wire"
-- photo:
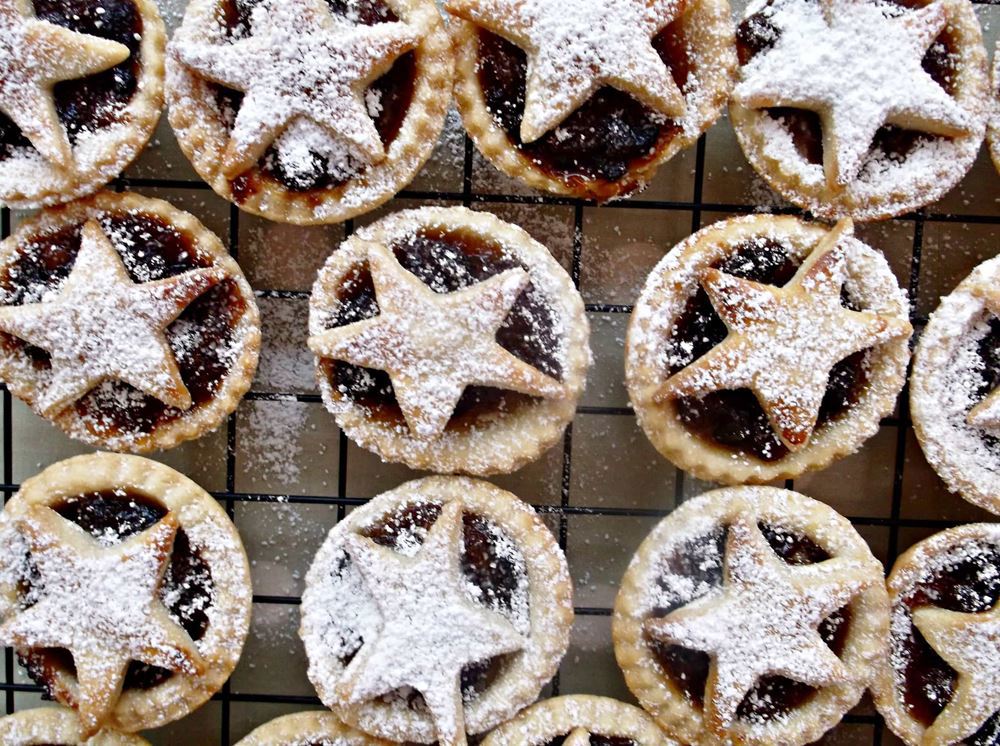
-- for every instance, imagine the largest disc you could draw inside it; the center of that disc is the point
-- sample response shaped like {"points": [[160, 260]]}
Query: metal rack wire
{"points": [[563, 510]]}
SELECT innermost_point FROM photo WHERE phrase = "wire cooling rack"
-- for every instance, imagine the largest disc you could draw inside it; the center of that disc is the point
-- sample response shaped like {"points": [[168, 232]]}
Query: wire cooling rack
{"points": [[286, 474]]}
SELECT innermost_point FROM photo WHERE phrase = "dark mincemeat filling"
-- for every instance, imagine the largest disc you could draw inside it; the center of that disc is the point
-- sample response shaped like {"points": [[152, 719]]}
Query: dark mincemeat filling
{"points": [[448, 261], [596, 740], [599, 143], [161, 252], [483, 564], [394, 89], [969, 586], [735, 419], [989, 352], [97, 100], [701, 559], [756, 34], [187, 585]]}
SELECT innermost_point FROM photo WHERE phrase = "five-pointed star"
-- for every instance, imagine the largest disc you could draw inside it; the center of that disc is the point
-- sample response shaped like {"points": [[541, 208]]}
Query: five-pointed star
{"points": [[430, 629], [762, 621], [102, 326], [576, 46], [433, 345], [784, 341], [986, 414], [858, 66], [299, 61], [34, 56], [969, 643], [101, 604]]}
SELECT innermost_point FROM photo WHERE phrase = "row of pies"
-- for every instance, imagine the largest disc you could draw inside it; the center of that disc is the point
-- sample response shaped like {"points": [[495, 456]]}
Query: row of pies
{"points": [[314, 111], [448, 340], [440, 609]]}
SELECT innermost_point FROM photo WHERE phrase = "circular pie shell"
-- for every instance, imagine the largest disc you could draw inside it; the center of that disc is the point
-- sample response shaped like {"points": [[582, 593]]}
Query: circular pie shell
{"points": [[507, 443], [210, 532], [863, 649], [50, 185], [203, 138], [993, 127], [22, 380], [313, 726], [549, 719], [961, 469], [906, 573], [550, 594], [708, 30], [675, 279], [971, 92]]}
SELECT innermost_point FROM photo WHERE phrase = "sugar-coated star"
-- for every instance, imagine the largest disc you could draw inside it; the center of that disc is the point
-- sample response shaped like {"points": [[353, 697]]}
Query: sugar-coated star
{"points": [[970, 644], [100, 325], [433, 345], [763, 621], [856, 63], [986, 414], [784, 341], [430, 629], [576, 46], [300, 62], [102, 604], [34, 56]]}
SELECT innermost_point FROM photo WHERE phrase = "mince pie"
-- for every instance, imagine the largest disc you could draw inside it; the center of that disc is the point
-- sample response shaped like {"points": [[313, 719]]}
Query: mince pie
{"points": [[309, 111], [579, 720], [589, 97], [54, 726], [993, 130], [751, 614], [81, 89], [860, 108], [125, 322], [762, 347], [312, 728], [124, 590], [437, 609], [940, 683], [955, 388], [449, 340]]}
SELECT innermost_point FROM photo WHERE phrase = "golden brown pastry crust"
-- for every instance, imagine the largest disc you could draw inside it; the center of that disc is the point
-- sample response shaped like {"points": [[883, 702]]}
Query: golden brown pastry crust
{"points": [[55, 725], [313, 726]]}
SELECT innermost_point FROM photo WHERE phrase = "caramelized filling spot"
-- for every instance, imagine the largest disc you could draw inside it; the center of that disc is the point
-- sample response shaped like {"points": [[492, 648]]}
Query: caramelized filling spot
{"points": [[448, 260], [734, 419], [112, 516]]}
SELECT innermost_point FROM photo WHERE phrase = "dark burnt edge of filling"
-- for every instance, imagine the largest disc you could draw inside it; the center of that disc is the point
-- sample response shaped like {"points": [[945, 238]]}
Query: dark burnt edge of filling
{"points": [[756, 33], [48, 259], [481, 564], [609, 136], [395, 89], [188, 579], [734, 419], [772, 696], [97, 100], [431, 255], [928, 681]]}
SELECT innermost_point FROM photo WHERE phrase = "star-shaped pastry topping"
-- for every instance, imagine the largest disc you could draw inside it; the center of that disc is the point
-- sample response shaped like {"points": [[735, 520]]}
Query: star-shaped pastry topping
{"points": [[970, 644], [857, 64], [784, 341], [102, 604], [100, 325], [763, 621], [34, 56], [986, 414], [576, 46], [300, 61], [433, 345], [430, 628]]}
